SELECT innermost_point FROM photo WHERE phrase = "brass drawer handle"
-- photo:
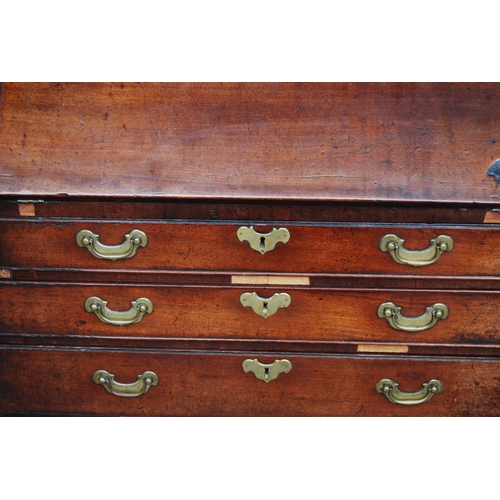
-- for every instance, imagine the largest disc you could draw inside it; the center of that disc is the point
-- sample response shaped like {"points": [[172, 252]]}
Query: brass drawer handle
{"points": [[394, 245], [135, 314], [263, 242], [390, 389], [392, 313], [144, 382], [266, 372], [265, 307], [133, 240]]}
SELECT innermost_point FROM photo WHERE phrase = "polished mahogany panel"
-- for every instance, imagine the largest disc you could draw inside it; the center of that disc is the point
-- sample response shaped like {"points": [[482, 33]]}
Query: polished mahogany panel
{"points": [[328, 248], [329, 141], [216, 313], [326, 173], [214, 384]]}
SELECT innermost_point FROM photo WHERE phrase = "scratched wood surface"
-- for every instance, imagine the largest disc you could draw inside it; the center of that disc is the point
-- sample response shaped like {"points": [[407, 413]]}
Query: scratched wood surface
{"points": [[211, 384], [342, 141]]}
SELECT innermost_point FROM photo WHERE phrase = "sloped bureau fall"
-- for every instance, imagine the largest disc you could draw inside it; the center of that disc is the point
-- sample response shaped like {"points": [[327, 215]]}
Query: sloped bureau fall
{"points": [[250, 249]]}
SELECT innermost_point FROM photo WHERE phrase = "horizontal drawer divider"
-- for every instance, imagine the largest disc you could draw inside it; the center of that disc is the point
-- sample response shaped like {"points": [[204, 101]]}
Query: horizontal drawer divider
{"points": [[250, 210], [258, 224], [242, 352], [210, 278], [226, 345], [229, 286]]}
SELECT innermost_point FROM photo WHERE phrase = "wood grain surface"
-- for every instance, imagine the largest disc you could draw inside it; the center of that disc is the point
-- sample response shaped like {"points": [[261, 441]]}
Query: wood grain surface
{"points": [[412, 142], [216, 313], [339, 165], [214, 384], [334, 249]]}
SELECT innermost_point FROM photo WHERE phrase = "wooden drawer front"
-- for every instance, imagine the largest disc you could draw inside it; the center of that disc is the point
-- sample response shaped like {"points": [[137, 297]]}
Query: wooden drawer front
{"points": [[310, 249], [216, 312], [61, 381]]}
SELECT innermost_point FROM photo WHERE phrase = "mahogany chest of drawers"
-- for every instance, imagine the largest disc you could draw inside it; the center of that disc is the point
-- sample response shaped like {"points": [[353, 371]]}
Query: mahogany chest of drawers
{"points": [[250, 249]]}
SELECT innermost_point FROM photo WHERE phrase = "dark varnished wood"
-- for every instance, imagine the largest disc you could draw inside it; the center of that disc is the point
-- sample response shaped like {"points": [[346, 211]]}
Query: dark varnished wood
{"points": [[216, 313], [209, 384], [224, 278], [256, 345], [339, 165], [333, 249], [416, 142], [220, 210]]}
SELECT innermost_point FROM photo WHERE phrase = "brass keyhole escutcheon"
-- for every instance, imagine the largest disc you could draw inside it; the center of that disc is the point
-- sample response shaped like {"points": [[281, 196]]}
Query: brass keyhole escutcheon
{"points": [[265, 307], [266, 372], [262, 242]]}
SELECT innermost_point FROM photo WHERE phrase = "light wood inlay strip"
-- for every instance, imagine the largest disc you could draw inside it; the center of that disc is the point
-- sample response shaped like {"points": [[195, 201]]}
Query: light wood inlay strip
{"points": [[383, 348], [26, 209], [492, 217], [5, 273], [270, 280]]}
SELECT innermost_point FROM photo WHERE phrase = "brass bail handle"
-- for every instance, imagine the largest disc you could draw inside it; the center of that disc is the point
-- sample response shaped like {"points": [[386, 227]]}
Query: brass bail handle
{"points": [[265, 307], [391, 390], [133, 315], [392, 313], [138, 388], [266, 372], [133, 241], [394, 245], [263, 242]]}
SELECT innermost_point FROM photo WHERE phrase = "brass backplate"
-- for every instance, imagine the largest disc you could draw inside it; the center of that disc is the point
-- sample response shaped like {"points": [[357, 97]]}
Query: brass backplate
{"points": [[265, 307], [266, 372], [263, 242]]}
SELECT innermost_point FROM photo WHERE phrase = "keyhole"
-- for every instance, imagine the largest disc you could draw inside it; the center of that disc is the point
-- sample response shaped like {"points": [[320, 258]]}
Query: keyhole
{"points": [[266, 372], [262, 242], [264, 307]]}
